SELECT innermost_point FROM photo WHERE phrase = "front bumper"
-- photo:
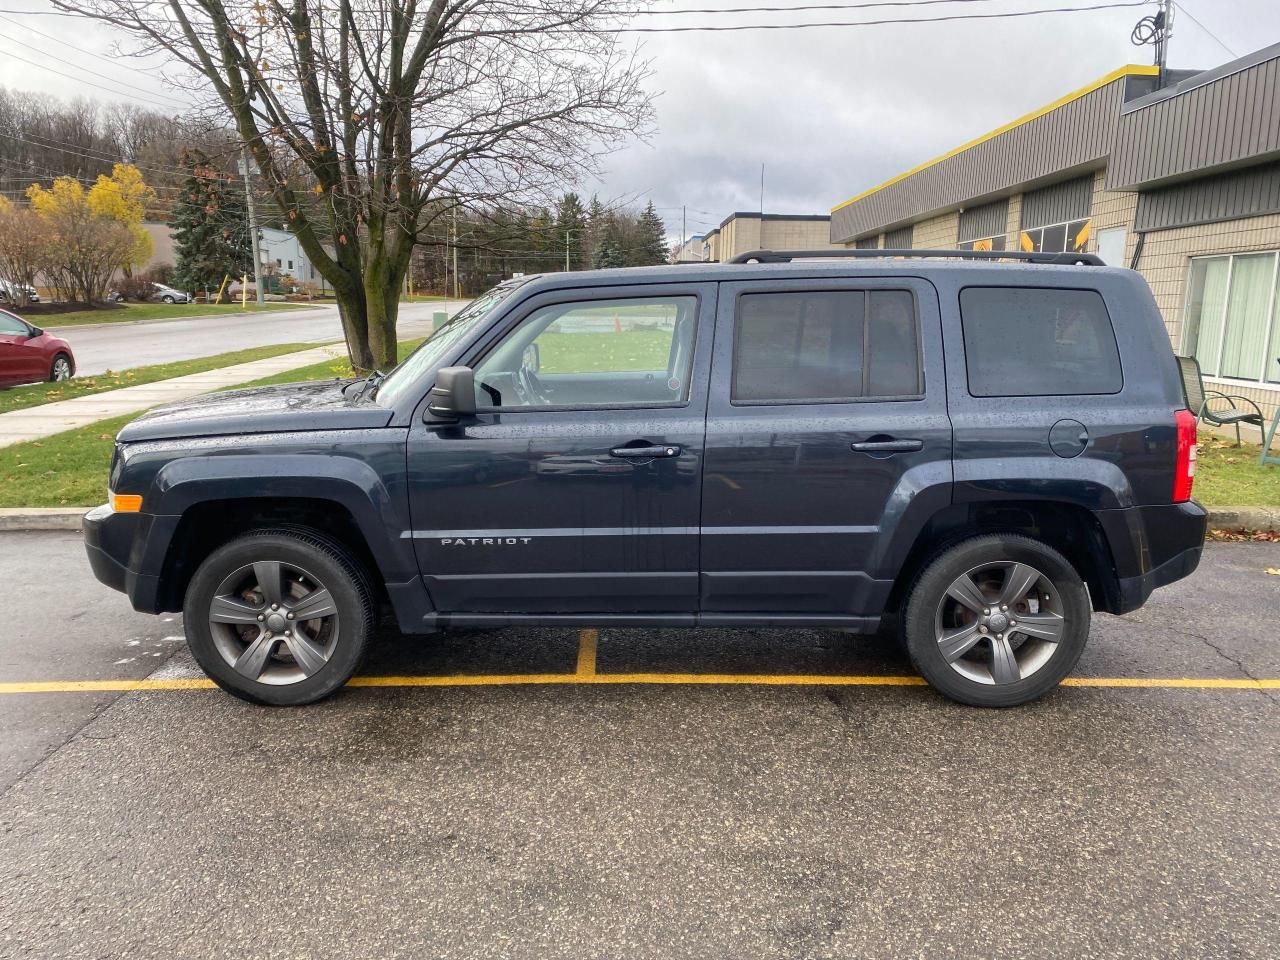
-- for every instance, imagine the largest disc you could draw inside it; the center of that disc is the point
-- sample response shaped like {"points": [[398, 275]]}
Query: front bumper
{"points": [[110, 541]]}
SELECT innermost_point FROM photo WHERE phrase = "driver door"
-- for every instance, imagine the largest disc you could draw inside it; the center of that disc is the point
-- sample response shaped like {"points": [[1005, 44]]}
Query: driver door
{"points": [[575, 490]]}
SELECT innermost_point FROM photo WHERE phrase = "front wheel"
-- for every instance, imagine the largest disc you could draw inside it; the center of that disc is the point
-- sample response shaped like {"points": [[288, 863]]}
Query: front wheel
{"points": [[166, 299], [279, 617], [997, 620], [61, 369]]}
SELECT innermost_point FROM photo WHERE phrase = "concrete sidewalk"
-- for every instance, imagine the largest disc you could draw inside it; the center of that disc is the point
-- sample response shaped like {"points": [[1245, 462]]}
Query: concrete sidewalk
{"points": [[50, 418]]}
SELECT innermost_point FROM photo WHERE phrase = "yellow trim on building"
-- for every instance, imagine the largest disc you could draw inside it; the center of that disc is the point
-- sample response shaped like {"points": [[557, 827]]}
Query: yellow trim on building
{"points": [[1129, 70]]}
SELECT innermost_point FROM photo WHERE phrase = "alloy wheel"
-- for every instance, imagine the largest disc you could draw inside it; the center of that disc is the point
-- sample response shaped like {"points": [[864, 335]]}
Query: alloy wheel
{"points": [[61, 369], [274, 622], [999, 622]]}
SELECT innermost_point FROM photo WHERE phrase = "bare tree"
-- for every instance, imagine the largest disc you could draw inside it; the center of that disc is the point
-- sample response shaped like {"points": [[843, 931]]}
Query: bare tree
{"points": [[25, 245], [391, 113]]}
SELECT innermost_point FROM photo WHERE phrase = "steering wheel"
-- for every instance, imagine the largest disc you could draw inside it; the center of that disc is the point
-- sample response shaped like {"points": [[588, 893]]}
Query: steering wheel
{"points": [[528, 388]]}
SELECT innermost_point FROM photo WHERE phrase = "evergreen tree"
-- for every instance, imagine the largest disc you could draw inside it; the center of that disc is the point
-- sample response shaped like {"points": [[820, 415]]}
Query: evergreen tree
{"points": [[609, 252], [571, 230], [651, 238], [210, 229], [595, 231]]}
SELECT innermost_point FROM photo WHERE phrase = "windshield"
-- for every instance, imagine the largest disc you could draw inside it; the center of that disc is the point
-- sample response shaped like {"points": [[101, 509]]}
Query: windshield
{"points": [[410, 370]]}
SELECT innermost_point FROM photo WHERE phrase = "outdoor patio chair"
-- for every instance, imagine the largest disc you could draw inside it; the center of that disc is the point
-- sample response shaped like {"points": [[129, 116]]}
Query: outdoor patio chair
{"points": [[1198, 400]]}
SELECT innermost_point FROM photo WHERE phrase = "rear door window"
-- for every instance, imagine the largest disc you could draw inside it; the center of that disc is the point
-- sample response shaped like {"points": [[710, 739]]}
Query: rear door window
{"points": [[826, 346], [1037, 341]]}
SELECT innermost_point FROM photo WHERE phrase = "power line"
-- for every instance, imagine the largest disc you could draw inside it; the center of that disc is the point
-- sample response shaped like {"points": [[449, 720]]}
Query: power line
{"points": [[115, 93], [800, 7], [91, 53], [1211, 34], [856, 23]]}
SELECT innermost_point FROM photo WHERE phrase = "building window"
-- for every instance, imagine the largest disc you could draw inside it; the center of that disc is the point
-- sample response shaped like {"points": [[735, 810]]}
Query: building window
{"points": [[1231, 324], [1057, 237], [986, 243]]}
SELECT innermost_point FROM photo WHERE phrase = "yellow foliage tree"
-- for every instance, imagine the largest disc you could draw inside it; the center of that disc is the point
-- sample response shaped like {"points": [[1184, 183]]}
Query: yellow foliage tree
{"points": [[95, 232]]}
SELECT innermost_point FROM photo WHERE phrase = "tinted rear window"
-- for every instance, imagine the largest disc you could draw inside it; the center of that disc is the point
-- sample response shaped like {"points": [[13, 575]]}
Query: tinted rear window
{"points": [[826, 346], [1034, 341]]}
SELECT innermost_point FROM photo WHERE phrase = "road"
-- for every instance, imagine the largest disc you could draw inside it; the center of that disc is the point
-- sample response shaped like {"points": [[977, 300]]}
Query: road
{"points": [[120, 346], [583, 820]]}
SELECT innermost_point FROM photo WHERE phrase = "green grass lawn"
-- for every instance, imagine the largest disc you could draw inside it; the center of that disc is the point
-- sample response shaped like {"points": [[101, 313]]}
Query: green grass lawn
{"points": [[339, 367], [20, 398], [151, 311], [68, 469], [1230, 476], [583, 352], [425, 298]]}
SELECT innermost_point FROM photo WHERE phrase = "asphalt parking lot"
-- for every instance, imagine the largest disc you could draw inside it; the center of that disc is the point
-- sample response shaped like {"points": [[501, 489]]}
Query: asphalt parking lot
{"points": [[1132, 814]]}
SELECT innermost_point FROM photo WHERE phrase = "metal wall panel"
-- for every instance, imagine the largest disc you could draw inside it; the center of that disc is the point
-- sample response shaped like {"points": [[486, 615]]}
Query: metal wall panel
{"points": [[1060, 203], [1225, 116], [868, 243], [988, 220], [1077, 135], [1228, 196], [899, 239]]}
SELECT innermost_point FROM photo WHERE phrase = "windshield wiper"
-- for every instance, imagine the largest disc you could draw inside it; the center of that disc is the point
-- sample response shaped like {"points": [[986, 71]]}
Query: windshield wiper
{"points": [[371, 382]]}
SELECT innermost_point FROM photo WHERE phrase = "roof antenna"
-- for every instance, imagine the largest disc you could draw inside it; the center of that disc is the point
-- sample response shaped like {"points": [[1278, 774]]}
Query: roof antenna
{"points": [[1155, 30]]}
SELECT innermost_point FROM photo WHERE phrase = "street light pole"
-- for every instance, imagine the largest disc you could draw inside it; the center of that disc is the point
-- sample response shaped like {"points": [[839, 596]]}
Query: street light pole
{"points": [[253, 226]]}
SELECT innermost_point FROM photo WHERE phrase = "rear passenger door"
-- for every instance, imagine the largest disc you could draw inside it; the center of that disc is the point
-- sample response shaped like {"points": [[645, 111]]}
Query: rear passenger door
{"points": [[827, 422]]}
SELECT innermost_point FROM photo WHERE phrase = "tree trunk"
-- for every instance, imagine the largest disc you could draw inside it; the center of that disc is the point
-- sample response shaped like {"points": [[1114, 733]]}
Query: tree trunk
{"points": [[355, 327], [383, 280]]}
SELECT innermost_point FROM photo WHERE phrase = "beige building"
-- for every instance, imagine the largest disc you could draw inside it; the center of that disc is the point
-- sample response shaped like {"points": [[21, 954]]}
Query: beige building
{"points": [[743, 232], [1177, 177]]}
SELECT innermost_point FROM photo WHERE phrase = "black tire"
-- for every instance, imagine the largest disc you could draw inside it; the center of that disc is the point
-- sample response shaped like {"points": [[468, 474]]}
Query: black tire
{"points": [[167, 299], [53, 368], [923, 616], [331, 566]]}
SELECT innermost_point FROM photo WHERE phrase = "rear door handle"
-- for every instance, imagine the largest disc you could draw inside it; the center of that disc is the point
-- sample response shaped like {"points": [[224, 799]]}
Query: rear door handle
{"points": [[650, 452], [887, 446]]}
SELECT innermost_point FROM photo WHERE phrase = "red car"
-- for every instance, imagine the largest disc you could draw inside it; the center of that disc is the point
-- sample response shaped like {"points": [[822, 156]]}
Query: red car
{"points": [[29, 355]]}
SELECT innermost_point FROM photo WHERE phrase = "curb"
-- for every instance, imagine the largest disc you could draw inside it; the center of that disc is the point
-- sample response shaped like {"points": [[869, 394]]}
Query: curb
{"points": [[25, 519], [28, 519], [300, 308]]}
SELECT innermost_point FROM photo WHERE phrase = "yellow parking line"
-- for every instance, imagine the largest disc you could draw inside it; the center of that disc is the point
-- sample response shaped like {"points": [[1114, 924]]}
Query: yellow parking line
{"points": [[587, 652], [586, 663]]}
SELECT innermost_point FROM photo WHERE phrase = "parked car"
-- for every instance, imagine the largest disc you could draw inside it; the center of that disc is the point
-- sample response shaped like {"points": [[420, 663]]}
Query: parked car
{"points": [[981, 452], [166, 294], [30, 355], [11, 292]]}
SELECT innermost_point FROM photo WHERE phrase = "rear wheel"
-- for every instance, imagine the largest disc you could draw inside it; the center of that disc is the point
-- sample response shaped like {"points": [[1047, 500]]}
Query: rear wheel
{"points": [[279, 617], [61, 369], [997, 621]]}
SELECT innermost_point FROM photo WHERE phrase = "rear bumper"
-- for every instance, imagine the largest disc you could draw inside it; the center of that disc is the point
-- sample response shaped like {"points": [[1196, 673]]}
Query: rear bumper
{"points": [[1152, 547]]}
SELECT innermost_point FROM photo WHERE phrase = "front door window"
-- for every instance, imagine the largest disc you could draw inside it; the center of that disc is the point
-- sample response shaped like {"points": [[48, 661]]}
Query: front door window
{"points": [[598, 353]]}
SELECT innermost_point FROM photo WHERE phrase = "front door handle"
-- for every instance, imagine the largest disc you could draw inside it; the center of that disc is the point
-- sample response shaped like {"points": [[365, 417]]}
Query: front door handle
{"points": [[887, 445], [649, 452]]}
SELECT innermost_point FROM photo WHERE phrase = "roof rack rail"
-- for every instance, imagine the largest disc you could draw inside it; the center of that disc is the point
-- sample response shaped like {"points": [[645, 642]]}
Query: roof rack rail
{"points": [[786, 256]]}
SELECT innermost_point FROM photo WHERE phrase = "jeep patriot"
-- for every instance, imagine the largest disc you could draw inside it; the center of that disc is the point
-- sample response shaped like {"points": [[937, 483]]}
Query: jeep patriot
{"points": [[978, 449]]}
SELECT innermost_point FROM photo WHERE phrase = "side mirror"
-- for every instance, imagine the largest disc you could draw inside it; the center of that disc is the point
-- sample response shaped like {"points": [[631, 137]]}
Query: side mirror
{"points": [[453, 396], [36, 331]]}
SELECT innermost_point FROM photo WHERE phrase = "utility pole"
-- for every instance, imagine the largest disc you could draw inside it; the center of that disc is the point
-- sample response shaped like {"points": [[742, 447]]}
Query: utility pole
{"points": [[680, 255], [253, 225], [457, 285], [762, 189], [566, 250]]}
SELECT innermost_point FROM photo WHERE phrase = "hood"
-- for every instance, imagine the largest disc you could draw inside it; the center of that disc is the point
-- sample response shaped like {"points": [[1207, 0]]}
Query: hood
{"points": [[290, 407]]}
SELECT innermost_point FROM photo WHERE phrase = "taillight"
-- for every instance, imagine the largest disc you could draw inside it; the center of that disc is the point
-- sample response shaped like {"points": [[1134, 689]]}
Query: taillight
{"points": [[1185, 474]]}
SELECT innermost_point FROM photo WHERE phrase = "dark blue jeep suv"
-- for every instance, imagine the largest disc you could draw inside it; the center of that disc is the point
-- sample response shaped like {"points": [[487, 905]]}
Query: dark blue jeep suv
{"points": [[986, 450]]}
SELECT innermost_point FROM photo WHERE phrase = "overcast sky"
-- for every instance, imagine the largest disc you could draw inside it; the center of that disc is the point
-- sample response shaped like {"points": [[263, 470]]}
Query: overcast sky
{"points": [[829, 112]]}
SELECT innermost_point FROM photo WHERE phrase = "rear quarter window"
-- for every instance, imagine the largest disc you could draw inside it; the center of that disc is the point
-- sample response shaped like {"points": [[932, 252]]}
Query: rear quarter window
{"points": [[1037, 342]]}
